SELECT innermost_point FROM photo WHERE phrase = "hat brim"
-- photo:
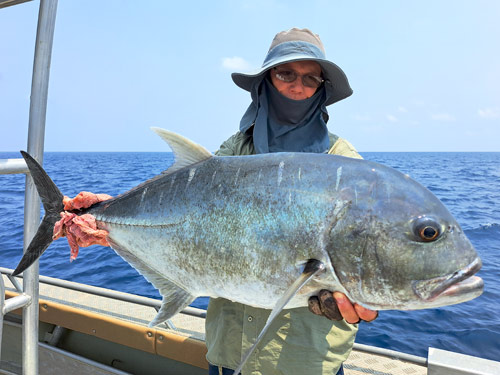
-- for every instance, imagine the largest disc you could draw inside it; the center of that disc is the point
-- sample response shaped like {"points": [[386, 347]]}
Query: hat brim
{"points": [[333, 75]]}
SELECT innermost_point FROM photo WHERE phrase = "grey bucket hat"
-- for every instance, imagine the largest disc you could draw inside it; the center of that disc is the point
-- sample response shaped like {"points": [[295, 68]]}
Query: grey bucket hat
{"points": [[294, 45]]}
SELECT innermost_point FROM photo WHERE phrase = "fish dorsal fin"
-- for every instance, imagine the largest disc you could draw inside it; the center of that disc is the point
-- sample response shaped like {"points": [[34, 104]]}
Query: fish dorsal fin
{"points": [[186, 152]]}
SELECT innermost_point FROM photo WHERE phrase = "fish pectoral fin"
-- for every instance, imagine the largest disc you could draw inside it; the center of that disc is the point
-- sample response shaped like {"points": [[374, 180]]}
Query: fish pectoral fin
{"points": [[186, 152], [311, 269], [174, 300]]}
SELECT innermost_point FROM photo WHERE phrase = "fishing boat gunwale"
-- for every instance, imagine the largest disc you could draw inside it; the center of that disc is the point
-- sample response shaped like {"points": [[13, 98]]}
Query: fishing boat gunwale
{"points": [[182, 342]]}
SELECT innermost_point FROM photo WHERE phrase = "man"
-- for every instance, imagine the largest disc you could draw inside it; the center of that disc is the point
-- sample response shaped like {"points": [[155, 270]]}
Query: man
{"points": [[288, 113]]}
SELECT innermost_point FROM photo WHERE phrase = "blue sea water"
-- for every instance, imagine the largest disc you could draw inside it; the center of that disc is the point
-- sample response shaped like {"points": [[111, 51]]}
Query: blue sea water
{"points": [[467, 183]]}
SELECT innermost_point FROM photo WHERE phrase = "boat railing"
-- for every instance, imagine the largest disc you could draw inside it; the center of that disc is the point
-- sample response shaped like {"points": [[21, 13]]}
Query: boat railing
{"points": [[101, 292], [438, 362], [198, 313]]}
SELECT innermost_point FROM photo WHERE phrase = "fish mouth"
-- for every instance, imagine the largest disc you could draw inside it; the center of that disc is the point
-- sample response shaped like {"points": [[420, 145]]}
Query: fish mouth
{"points": [[461, 285]]}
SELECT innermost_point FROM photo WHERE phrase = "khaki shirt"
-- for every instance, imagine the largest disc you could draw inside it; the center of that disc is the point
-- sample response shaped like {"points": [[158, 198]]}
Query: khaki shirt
{"points": [[298, 342]]}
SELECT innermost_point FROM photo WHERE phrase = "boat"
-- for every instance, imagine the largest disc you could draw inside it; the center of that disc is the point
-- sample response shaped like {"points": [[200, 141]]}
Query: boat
{"points": [[90, 330], [84, 329], [51, 326]]}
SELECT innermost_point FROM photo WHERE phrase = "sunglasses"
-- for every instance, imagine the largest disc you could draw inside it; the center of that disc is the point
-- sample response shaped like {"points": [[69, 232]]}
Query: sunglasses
{"points": [[289, 76]]}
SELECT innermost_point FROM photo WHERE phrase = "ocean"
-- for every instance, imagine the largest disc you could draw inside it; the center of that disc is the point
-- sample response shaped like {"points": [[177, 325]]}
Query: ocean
{"points": [[467, 183]]}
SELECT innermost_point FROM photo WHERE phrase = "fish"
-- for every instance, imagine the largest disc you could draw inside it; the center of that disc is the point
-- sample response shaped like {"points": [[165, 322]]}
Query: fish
{"points": [[245, 228]]}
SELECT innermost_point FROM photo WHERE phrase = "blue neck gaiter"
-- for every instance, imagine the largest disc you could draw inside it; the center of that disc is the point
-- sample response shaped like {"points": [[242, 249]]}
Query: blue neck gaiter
{"points": [[286, 125]]}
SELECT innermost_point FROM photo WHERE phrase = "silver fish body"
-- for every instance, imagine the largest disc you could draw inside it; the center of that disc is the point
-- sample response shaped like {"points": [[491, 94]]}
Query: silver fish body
{"points": [[244, 227]]}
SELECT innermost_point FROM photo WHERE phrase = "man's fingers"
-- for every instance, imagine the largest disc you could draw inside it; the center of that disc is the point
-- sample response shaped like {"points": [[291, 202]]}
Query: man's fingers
{"points": [[313, 305], [324, 305], [336, 306], [328, 305], [365, 314], [84, 199], [346, 308]]}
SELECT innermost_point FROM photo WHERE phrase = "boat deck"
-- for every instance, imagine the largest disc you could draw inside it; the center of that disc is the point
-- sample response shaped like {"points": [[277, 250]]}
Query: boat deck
{"points": [[125, 323]]}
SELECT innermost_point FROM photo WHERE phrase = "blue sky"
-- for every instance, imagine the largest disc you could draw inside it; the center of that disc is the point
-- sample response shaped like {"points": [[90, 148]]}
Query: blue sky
{"points": [[425, 74]]}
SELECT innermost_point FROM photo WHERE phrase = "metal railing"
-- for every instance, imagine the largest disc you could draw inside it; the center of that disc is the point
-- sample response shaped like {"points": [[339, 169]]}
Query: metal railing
{"points": [[9, 305], [102, 292], [150, 302], [36, 136], [439, 362]]}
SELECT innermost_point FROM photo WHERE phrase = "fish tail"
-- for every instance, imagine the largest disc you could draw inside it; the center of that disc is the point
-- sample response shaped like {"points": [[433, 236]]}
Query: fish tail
{"points": [[52, 200]]}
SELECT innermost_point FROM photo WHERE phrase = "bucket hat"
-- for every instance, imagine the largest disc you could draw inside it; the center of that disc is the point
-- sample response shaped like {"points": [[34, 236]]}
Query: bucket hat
{"points": [[295, 45]]}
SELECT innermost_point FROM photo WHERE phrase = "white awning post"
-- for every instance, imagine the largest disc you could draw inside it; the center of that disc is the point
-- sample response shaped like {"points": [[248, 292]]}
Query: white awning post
{"points": [[36, 137]]}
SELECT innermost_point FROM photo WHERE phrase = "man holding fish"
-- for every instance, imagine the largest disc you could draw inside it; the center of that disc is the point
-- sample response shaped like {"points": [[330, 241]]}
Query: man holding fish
{"points": [[287, 114]]}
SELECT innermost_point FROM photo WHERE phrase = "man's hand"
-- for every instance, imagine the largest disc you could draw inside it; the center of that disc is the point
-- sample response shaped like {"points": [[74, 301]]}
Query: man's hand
{"points": [[336, 306], [80, 230], [84, 199]]}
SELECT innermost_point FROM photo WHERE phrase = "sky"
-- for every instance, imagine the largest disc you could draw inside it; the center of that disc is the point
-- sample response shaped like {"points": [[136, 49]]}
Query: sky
{"points": [[425, 74]]}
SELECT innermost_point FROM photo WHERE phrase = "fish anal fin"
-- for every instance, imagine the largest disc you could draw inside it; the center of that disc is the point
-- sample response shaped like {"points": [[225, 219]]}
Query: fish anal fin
{"points": [[174, 300], [174, 297], [186, 151]]}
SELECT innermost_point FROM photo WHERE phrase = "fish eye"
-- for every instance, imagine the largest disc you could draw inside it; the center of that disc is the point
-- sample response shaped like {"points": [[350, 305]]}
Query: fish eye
{"points": [[426, 229], [428, 233]]}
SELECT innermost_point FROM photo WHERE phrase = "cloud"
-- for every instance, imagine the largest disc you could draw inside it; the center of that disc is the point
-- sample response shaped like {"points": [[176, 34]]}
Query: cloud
{"points": [[391, 118], [402, 109], [236, 64], [489, 113], [446, 117]]}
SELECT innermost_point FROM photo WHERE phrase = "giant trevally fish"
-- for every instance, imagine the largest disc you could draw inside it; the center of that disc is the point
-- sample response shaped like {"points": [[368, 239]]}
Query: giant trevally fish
{"points": [[245, 227]]}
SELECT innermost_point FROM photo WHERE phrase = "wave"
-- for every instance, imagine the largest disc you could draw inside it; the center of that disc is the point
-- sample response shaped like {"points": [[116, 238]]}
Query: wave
{"points": [[484, 227]]}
